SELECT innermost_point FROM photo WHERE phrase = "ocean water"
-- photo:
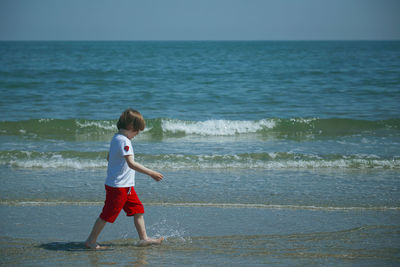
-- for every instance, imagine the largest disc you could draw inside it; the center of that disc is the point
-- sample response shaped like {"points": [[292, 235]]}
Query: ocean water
{"points": [[274, 153]]}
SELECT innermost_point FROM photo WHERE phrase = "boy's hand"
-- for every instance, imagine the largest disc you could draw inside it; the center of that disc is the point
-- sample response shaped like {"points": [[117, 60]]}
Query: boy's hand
{"points": [[140, 168], [156, 176]]}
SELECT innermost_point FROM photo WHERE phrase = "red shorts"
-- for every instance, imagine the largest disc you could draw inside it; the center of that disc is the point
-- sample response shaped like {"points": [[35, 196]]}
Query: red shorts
{"points": [[118, 198]]}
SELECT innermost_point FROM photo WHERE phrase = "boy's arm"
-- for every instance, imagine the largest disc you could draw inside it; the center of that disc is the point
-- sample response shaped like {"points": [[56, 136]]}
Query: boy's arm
{"points": [[140, 168]]}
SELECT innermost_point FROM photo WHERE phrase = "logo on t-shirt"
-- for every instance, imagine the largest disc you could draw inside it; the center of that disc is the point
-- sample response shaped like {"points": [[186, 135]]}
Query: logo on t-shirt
{"points": [[126, 148]]}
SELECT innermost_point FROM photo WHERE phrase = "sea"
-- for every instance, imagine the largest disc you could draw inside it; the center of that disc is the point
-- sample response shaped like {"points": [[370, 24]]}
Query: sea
{"points": [[274, 153]]}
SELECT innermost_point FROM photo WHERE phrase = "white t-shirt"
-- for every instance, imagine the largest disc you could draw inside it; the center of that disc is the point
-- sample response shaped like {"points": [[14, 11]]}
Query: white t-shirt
{"points": [[118, 172]]}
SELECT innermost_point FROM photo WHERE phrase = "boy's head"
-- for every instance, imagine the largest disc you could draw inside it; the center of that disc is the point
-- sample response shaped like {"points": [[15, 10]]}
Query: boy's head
{"points": [[131, 120]]}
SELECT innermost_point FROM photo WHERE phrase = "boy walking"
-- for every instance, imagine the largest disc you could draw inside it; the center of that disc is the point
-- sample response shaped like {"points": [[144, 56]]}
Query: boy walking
{"points": [[120, 182]]}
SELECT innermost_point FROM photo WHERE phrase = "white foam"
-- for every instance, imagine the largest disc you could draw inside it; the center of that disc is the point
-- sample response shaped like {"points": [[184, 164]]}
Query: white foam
{"points": [[56, 162], [45, 120], [216, 127], [198, 162], [203, 163], [106, 125], [303, 120]]}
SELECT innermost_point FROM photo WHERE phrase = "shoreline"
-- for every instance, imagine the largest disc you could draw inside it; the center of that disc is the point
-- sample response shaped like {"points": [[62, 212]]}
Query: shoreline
{"points": [[204, 205]]}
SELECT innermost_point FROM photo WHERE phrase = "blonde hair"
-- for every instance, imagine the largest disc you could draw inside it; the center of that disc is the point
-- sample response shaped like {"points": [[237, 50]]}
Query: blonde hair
{"points": [[131, 119]]}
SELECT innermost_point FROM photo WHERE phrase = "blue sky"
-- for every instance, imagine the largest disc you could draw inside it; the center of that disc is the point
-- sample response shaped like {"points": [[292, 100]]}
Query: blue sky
{"points": [[199, 19]]}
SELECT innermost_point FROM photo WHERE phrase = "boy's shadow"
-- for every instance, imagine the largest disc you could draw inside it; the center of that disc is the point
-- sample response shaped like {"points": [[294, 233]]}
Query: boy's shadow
{"points": [[140, 257], [64, 246]]}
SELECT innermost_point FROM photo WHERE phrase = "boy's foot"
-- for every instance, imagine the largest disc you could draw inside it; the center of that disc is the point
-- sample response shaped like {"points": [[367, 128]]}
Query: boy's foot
{"points": [[94, 246], [150, 241]]}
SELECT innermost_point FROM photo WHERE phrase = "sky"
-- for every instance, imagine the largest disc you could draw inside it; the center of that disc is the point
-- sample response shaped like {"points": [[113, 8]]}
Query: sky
{"points": [[199, 19]]}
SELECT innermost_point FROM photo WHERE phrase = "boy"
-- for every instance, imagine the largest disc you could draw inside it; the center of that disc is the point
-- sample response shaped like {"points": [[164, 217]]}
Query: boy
{"points": [[120, 182]]}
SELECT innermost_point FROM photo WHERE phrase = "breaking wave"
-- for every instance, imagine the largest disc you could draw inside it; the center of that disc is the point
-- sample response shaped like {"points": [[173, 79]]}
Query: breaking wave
{"points": [[76, 129], [276, 160]]}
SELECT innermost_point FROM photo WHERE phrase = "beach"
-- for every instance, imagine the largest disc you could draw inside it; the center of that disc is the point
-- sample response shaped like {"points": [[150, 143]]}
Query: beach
{"points": [[243, 236], [273, 153]]}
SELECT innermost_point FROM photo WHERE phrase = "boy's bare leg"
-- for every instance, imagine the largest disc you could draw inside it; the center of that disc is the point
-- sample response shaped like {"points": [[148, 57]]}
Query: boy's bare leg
{"points": [[141, 229], [98, 226]]}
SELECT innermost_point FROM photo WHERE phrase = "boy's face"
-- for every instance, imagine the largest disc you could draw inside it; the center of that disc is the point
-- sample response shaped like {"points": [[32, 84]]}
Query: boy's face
{"points": [[132, 133]]}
